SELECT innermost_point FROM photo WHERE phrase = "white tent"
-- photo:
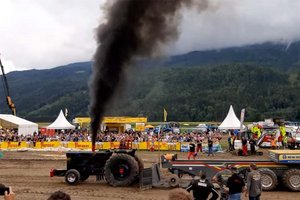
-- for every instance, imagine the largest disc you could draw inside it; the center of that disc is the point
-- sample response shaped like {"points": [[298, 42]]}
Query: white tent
{"points": [[24, 126], [61, 123], [231, 121]]}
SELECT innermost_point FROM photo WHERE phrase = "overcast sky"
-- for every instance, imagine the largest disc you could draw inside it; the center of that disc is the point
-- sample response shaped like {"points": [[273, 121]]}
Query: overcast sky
{"points": [[39, 34]]}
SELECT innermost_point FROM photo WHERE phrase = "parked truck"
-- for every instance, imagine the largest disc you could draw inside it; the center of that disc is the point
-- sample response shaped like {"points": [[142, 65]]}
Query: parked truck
{"points": [[282, 165]]}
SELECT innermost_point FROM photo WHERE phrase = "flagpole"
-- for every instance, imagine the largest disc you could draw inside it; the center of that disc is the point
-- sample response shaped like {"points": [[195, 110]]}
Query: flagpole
{"points": [[158, 138]]}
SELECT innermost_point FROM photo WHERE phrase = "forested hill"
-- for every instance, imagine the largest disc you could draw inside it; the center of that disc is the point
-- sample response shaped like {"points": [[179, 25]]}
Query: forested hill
{"points": [[197, 86], [267, 54]]}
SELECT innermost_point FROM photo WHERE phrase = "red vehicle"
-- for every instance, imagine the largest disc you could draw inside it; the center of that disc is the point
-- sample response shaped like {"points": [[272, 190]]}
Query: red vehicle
{"points": [[267, 134], [294, 141]]}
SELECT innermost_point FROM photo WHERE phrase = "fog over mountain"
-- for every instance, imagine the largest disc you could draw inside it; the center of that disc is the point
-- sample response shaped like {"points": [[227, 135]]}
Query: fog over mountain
{"points": [[43, 34]]}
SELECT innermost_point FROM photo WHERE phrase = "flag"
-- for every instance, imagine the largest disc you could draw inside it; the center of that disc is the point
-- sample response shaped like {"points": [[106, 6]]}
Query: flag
{"points": [[66, 112], [242, 118], [165, 115]]}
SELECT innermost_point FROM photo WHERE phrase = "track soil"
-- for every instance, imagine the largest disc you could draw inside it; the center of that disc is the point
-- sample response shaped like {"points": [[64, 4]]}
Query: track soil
{"points": [[28, 174]]}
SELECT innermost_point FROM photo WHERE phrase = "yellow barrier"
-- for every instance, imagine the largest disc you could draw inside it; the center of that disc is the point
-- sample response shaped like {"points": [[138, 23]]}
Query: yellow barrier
{"points": [[13, 145], [41, 145], [83, 145], [164, 146]]}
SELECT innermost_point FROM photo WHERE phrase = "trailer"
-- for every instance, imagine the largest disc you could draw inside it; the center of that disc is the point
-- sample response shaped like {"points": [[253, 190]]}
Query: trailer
{"points": [[282, 165], [119, 168]]}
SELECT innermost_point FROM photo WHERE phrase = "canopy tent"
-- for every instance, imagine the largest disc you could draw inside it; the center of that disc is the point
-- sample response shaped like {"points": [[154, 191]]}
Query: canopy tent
{"points": [[149, 126], [231, 121], [61, 123], [24, 126]]}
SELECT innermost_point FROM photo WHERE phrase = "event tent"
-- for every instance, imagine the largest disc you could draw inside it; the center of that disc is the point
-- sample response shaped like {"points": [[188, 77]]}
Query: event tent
{"points": [[61, 123], [231, 121], [24, 126]]}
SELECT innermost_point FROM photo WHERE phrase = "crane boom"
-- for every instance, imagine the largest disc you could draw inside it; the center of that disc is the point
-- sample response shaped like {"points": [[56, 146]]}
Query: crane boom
{"points": [[9, 101]]}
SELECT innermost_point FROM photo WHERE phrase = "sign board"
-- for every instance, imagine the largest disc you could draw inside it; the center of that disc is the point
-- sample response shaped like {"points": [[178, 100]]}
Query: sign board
{"points": [[120, 120], [140, 126], [125, 120], [184, 147], [289, 158]]}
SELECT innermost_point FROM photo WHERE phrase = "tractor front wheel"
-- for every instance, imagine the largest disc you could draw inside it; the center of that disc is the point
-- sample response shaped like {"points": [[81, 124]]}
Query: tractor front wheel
{"points": [[72, 176]]}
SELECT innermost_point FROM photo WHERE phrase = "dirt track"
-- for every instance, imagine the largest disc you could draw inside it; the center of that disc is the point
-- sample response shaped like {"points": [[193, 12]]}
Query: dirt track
{"points": [[28, 174]]}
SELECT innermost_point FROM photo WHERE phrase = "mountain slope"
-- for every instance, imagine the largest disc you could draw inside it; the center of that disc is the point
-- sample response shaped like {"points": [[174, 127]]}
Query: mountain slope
{"points": [[198, 86], [267, 54]]}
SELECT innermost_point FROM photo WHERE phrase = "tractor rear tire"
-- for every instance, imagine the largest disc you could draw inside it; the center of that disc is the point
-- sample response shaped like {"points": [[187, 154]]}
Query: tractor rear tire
{"points": [[121, 170], [72, 177], [140, 163], [269, 179], [173, 180], [291, 179]]}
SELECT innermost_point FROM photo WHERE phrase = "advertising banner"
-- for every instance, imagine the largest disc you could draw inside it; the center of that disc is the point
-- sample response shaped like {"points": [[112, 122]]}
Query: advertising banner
{"points": [[163, 146], [289, 158], [184, 147], [3, 145], [13, 145], [83, 145], [53, 144]]}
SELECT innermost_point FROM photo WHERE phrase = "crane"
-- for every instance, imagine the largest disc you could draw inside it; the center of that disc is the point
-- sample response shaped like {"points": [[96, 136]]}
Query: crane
{"points": [[9, 101]]}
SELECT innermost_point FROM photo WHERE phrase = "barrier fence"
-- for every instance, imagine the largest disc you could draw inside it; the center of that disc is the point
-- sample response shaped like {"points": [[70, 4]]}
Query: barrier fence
{"points": [[152, 146], [165, 146]]}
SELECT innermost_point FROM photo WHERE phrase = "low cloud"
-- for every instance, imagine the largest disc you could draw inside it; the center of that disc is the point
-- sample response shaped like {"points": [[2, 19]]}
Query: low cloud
{"points": [[48, 33]]}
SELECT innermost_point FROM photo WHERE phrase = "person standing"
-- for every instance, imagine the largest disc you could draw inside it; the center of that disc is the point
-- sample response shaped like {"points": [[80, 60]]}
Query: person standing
{"points": [[229, 143], [273, 142], [202, 188], [292, 143], [284, 142], [221, 179], [210, 147], [199, 146], [235, 185], [279, 141], [252, 143], [254, 186], [192, 152], [244, 146]]}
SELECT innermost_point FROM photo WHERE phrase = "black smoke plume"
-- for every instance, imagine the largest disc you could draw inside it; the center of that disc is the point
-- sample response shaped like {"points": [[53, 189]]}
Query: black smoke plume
{"points": [[134, 28]]}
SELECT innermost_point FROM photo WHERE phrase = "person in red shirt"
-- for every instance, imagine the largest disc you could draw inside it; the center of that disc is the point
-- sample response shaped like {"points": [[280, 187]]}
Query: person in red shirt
{"points": [[244, 146]]}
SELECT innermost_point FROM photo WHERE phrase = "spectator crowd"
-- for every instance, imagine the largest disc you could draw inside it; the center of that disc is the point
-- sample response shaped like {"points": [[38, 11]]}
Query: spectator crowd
{"points": [[82, 135]]}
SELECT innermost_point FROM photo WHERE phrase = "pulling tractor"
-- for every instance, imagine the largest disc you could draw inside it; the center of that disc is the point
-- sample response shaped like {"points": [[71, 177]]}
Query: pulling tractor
{"points": [[118, 168]]}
